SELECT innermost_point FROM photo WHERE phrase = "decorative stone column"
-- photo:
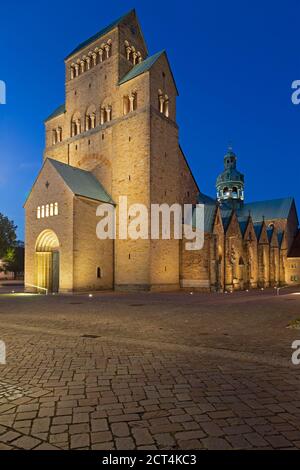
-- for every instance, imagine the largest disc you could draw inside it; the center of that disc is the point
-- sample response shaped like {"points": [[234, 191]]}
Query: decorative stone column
{"points": [[78, 126], [72, 72], [76, 70], [128, 52], [167, 108], [135, 56], [93, 120], [108, 113], [88, 63], [101, 51], [161, 103], [102, 111], [107, 50], [73, 129], [131, 102], [94, 57], [82, 65]]}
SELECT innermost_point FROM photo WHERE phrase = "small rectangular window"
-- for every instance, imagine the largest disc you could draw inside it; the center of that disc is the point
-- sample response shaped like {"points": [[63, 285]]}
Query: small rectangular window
{"points": [[99, 273]]}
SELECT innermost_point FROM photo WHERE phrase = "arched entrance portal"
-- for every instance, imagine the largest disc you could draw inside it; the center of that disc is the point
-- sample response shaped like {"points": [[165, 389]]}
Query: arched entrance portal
{"points": [[47, 261]]}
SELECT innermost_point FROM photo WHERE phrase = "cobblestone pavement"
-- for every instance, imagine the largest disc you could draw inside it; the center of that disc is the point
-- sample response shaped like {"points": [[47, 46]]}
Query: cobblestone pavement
{"points": [[149, 371]]}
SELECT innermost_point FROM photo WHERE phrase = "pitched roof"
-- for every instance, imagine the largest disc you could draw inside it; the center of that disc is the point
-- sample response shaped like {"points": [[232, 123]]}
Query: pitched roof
{"points": [[99, 34], [270, 231], [210, 207], [272, 209], [243, 226], [295, 248], [280, 234], [258, 229], [60, 110], [81, 182], [140, 68]]}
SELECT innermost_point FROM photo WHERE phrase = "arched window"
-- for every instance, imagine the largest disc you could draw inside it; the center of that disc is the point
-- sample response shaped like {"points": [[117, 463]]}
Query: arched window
{"points": [[56, 208], [90, 117], [47, 210], [54, 137], [126, 105], [225, 191], [163, 103], [75, 124], [51, 209], [129, 103], [234, 192], [166, 106], [38, 212], [105, 114], [134, 101], [43, 212]]}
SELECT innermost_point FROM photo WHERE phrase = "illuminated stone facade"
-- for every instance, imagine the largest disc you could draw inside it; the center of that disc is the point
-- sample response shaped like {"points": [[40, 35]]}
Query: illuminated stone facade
{"points": [[117, 135]]}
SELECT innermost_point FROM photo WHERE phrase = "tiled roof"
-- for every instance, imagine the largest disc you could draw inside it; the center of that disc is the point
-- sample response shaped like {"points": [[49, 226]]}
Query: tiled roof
{"points": [[209, 211], [81, 182], [140, 68], [99, 34], [272, 209], [60, 110]]}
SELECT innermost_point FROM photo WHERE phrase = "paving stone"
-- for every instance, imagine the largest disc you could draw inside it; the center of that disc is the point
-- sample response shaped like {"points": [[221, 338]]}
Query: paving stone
{"points": [[120, 429], [125, 443], [26, 442], [142, 436], [80, 441], [99, 437]]}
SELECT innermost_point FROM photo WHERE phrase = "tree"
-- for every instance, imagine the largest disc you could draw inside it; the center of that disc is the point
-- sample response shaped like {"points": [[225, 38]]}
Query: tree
{"points": [[7, 234], [14, 260]]}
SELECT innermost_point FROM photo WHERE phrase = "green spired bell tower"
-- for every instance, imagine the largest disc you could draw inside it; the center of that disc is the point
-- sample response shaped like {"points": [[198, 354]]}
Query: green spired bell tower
{"points": [[230, 183]]}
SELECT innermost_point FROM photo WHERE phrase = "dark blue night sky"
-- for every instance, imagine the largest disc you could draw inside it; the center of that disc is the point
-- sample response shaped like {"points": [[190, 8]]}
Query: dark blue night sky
{"points": [[233, 61]]}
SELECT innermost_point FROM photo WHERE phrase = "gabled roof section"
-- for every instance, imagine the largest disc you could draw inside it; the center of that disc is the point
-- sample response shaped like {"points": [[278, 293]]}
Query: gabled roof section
{"points": [[81, 182], [272, 209], [57, 112], [270, 232], [210, 208], [140, 68], [258, 229], [243, 226], [295, 248], [99, 34], [280, 235]]}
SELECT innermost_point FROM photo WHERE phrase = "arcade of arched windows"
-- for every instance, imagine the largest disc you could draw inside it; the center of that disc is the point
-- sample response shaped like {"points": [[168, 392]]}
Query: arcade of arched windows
{"points": [[91, 59], [132, 55]]}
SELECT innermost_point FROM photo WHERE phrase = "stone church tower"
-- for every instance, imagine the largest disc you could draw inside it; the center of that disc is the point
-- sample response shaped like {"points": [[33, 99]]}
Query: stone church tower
{"points": [[116, 135]]}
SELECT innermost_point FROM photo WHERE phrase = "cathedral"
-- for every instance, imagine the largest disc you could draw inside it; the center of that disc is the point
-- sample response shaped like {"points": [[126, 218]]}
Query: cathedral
{"points": [[116, 135]]}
